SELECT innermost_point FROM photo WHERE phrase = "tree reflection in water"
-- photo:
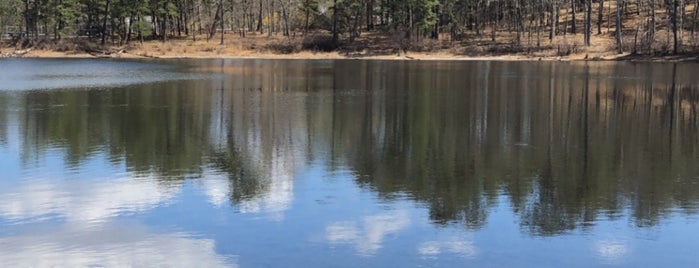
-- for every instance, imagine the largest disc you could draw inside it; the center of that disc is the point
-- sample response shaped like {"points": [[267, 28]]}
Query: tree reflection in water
{"points": [[567, 143]]}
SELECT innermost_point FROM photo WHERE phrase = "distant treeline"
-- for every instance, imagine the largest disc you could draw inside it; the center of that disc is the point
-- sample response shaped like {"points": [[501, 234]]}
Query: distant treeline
{"points": [[638, 25]]}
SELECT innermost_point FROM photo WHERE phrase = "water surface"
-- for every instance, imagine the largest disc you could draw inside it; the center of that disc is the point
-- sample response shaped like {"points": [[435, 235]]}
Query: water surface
{"points": [[293, 163]]}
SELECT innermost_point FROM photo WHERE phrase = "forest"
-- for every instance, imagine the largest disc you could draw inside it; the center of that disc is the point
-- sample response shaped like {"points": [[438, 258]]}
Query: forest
{"points": [[505, 26]]}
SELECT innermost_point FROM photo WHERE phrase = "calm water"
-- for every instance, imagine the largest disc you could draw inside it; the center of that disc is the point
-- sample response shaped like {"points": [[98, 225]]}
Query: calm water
{"points": [[257, 163]]}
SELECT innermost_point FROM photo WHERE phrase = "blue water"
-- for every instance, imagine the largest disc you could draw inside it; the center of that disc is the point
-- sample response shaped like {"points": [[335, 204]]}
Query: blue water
{"points": [[347, 164]]}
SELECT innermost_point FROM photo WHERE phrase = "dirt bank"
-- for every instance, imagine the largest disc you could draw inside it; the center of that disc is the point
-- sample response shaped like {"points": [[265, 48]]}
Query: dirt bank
{"points": [[369, 47]]}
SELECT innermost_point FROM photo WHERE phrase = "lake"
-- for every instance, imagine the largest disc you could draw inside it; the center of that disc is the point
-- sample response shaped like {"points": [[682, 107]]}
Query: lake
{"points": [[348, 163]]}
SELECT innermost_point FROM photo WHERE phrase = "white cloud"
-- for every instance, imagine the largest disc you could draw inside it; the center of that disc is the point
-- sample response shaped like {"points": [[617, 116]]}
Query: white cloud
{"points": [[110, 245]]}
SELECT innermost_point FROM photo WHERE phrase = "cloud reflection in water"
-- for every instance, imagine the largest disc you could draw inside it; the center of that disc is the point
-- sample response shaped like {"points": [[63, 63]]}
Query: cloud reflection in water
{"points": [[110, 245], [216, 187], [369, 237], [88, 201], [611, 250], [462, 248]]}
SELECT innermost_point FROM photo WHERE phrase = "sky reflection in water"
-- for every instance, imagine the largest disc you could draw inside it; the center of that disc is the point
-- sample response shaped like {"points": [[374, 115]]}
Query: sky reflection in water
{"points": [[296, 163]]}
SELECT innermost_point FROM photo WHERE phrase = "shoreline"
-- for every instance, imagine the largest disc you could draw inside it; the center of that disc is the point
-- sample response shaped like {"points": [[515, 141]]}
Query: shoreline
{"points": [[308, 55], [370, 46]]}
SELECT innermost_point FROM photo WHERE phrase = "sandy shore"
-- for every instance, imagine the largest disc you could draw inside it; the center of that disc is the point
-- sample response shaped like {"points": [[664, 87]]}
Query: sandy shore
{"points": [[168, 51], [269, 55], [371, 46], [302, 55], [336, 55]]}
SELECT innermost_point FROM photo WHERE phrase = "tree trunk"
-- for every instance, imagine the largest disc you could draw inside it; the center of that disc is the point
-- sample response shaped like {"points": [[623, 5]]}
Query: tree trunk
{"points": [[588, 21], [496, 20], [220, 3], [35, 20], [194, 31], [259, 19], [539, 26], [634, 51], [270, 15], [27, 17], [519, 22], [163, 28], [186, 16], [334, 29], [680, 23], [129, 28], [609, 16], [651, 25], [600, 16], [619, 48], [308, 15], [104, 22], [572, 21], [382, 8], [673, 21], [476, 12], [198, 20], [354, 32], [370, 15], [554, 19], [565, 25], [285, 17], [212, 29], [140, 33], [178, 21], [694, 20]]}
